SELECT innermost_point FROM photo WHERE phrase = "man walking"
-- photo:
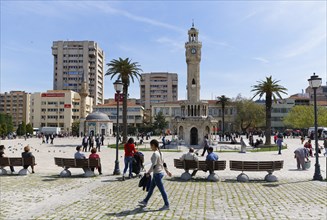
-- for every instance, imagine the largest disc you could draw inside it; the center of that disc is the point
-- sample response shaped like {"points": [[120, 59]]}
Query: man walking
{"points": [[85, 143], [205, 145]]}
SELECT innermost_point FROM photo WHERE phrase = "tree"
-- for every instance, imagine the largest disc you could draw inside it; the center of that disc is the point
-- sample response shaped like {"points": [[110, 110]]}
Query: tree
{"points": [[302, 116], [29, 129], [75, 128], [249, 114], [272, 90], [3, 129], [126, 70], [21, 130], [223, 100], [7, 120], [160, 122]]}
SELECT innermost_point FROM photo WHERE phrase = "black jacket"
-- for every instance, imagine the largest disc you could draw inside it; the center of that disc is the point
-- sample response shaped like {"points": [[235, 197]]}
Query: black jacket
{"points": [[145, 182]]}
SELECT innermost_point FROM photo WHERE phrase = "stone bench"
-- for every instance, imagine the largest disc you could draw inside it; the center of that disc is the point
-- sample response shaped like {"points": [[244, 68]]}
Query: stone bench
{"points": [[200, 165], [85, 164], [16, 162], [256, 166]]}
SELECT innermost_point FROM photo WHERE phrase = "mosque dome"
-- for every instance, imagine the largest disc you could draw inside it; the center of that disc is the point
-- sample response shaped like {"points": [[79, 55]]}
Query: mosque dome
{"points": [[97, 116]]}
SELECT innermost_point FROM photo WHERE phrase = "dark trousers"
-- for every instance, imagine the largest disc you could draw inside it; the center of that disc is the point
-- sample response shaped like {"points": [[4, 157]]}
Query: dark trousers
{"points": [[91, 146], [99, 169], [26, 166], [204, 150], [12, 169], [279, 149], [84, 147]]}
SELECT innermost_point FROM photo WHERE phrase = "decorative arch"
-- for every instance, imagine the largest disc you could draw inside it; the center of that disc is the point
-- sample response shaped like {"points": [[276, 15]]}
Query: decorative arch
{"points": [[194, 136], [181, 133]]}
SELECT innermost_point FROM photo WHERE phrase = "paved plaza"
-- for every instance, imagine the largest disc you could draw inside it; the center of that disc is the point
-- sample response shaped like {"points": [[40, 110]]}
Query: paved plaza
{"points": [[44, 195]]}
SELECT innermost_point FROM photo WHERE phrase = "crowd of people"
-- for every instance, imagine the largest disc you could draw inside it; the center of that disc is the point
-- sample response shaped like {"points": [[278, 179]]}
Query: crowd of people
{"points": [[89, 141]]}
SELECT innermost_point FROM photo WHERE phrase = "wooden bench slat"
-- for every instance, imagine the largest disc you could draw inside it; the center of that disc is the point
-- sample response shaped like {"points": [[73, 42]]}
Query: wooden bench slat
{"points": [[256, 165], [16, 161], [200, 165], [77, 163]]}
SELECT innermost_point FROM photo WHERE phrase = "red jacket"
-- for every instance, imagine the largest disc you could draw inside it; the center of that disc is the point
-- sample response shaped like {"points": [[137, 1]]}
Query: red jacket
{"points": [[129, 150], [94, 156]]}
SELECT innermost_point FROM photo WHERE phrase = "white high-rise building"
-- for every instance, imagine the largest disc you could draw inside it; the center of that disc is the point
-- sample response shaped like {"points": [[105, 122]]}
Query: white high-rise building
{"points": [[75, 61]]}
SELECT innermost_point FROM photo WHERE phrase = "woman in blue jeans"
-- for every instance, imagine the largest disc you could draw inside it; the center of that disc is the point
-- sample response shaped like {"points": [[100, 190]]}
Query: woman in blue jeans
{"points": [[130, 150], [158, 173]]}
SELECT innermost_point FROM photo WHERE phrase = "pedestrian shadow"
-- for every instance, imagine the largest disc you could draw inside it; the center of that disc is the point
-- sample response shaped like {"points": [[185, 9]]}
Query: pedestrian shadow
{"points": [[194, 179], [64, 145], [57, 177], [253, 180], [119, 179], [126, 213], [296, 170]]}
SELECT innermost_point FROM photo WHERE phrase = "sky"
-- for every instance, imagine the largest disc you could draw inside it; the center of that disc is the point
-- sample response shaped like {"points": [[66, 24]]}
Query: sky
{"points": [[242, 41]]}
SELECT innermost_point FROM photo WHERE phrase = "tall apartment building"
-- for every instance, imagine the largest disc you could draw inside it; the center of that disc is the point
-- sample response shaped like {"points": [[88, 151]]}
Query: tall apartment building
{"points": [[75, 61], [158, 87], [57, 108], [16, 103]]}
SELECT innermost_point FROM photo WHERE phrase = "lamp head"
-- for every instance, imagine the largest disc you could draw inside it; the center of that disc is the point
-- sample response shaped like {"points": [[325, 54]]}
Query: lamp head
{"points": [[118, 85], [315, 81]]}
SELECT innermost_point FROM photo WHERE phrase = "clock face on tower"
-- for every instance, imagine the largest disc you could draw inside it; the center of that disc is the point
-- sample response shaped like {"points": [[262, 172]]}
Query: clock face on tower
{"points": [[193, 50]]}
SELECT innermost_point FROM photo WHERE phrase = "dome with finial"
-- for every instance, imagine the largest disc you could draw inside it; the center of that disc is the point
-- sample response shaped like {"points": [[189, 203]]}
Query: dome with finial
{"points": [[97, 116]]}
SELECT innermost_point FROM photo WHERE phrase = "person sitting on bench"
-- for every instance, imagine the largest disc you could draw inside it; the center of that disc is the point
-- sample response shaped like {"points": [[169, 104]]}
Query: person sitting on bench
{"points": [[94, 155], [27, 154], [2, 154], [79, 155], [190, 155], [211, 157]]}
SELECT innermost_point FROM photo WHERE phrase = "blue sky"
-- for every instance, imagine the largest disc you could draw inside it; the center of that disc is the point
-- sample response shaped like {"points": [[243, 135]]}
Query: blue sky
{"points": [[242, 41]]}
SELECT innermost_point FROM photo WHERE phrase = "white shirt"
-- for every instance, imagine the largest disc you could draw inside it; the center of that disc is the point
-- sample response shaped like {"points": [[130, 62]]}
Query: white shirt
{"points": [[157, 163], [189, 156]]}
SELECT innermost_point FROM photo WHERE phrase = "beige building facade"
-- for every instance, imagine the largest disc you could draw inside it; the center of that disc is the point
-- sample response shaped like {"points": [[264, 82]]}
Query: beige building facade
{"points": [[172, 109], [57, 108], [135, 112], [156, 87], [78, 61], [16, 104]]}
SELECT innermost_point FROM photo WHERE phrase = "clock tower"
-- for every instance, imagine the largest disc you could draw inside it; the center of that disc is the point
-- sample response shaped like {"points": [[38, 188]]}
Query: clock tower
{"points": [[193, 58], [194, 123]]}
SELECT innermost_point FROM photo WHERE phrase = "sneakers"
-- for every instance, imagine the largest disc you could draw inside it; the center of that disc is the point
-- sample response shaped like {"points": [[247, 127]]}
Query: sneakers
{"points": [[123, 178], [163, 208], [142, 203]]}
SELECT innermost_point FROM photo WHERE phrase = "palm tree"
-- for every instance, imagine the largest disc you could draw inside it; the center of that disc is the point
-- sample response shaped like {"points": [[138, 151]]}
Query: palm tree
{"points": [[127, 71], [272, 90], [223, 100]]}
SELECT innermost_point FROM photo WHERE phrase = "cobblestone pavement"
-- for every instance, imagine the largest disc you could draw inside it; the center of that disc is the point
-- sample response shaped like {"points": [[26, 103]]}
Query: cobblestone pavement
{"points": [[44, 195]]}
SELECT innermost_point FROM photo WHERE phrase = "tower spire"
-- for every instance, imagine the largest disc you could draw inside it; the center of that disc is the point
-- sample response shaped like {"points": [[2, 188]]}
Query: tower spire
{"points": [[192, 23]]}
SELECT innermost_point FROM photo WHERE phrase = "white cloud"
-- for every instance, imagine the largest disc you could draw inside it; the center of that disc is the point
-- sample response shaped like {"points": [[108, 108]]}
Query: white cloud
{"points": [[105, 7], [261, 59], [173, 44], [249, 15], [304, 46]]}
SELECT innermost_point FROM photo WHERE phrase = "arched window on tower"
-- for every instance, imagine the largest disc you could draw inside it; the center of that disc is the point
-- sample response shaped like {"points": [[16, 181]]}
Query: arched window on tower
{"points": [[193, 83]]}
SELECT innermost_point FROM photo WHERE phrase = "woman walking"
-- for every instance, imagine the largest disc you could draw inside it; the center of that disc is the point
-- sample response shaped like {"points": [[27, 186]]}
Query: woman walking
{"points": [[129, 148], [158, 168]]}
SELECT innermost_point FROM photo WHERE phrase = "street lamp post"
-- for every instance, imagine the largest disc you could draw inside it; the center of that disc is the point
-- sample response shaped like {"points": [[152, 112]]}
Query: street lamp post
{"points": [[315, 83], [118, 85]]}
